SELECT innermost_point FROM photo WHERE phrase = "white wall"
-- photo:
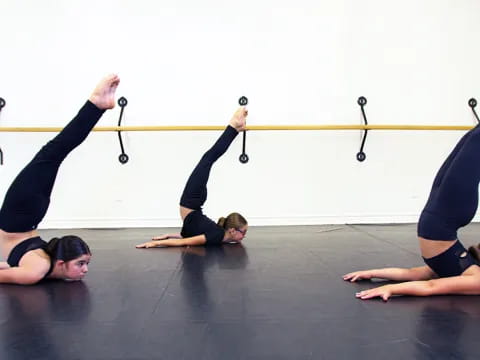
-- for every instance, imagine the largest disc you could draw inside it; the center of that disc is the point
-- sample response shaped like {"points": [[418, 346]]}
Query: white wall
{"points": [[187, 62]]}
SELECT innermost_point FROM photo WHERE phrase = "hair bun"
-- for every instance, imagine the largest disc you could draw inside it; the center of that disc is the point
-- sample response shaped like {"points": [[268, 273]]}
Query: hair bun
{"points": [[221, 222], [475, 252]]}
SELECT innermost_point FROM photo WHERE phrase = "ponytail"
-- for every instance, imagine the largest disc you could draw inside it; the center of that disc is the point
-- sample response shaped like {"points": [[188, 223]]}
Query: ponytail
{"points": [[221, 222], [475, 252]]}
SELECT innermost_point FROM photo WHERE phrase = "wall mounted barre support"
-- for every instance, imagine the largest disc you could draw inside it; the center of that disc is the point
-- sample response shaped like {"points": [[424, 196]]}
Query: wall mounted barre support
{"points": [[243, 101], [362, 101], [473, 103], [123, 158], [2, 104]]}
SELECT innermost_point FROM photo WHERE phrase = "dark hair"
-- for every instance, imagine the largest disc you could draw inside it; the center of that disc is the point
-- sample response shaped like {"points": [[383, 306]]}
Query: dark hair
{"points": [[67, 248], [475, 251], [234, 220]]}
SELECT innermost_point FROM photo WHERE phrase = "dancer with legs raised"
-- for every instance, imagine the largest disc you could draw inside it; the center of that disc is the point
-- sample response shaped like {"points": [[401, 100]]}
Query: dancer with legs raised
{"points": [[197, 228], [30, 258], [452, 204]]}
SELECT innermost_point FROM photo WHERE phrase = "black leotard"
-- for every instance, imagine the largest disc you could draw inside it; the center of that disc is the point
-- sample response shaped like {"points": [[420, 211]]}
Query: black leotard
{"points": [[25, 246], [195, 192]]}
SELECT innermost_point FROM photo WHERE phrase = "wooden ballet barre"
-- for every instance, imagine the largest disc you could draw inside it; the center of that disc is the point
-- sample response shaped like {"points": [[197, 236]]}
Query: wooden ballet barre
{"points": [[250, 128]]}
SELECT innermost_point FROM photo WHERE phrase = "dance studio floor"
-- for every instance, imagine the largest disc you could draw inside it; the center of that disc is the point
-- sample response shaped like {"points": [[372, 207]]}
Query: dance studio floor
{"points": [[280, 296]]}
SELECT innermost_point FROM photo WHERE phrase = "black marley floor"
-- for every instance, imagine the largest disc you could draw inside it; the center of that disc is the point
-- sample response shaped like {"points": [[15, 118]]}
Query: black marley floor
{"points": [[280, 296]]}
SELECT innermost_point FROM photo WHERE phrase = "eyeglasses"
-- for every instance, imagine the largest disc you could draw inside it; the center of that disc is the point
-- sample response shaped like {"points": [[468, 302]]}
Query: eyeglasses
{"points": [[243, 232]]}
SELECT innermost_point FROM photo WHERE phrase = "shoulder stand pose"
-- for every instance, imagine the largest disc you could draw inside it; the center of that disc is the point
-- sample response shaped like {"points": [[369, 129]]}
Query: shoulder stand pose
{"points": [[29, 258], [452, 204], [197, 228]]}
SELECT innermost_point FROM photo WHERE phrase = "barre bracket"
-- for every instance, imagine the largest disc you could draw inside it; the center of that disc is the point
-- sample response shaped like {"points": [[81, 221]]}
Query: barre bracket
{"points": [[123, 158], [362, 101], [243, 101], [473, 103]]}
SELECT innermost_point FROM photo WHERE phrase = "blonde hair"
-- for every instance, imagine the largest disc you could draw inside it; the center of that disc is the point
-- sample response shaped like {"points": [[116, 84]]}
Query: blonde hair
{"points": [[234, 220]]}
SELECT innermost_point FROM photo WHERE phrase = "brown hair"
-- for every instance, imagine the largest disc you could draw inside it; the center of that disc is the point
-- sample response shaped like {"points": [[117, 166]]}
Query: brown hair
{"points": [[475, 251], [234, 220]]}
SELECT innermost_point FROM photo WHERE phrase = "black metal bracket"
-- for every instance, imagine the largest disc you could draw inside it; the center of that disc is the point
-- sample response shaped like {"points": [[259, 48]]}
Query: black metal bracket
{"points": [[2, 104], [123, 158], [473, 103], [362, 101], [243, 101]]}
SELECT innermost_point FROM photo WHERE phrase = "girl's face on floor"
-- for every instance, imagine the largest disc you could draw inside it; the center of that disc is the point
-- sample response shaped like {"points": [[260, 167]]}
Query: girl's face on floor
{"points": [[240, 233], [77, 269]]}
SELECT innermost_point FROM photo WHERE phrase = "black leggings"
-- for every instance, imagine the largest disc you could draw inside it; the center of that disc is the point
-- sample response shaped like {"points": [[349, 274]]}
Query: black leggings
{"points": [[195, 192], [453, 200], [28, 197]]}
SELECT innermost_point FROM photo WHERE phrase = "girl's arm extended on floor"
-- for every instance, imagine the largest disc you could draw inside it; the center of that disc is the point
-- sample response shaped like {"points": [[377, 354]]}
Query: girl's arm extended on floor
{"points": [[395, 274], [458, 285], [192, 241], [167, 236]]}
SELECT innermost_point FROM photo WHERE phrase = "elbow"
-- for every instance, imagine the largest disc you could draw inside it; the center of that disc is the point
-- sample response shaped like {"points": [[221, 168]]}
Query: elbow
{"points": [[420, 274], [29, 280], [428, 289]]}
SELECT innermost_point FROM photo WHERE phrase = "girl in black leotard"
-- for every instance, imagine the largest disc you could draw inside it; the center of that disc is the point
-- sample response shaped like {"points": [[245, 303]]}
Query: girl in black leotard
{"points": [[452, 204], [29, 258], [197, 228]]}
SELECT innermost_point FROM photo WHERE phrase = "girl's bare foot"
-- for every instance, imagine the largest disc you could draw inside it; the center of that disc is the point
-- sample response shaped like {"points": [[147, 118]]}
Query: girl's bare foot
{"points": [[239, 119], [103, 96]]}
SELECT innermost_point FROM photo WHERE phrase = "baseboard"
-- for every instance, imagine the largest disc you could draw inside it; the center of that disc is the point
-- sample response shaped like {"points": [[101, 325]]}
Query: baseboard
{"points": [[253, 221]]}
